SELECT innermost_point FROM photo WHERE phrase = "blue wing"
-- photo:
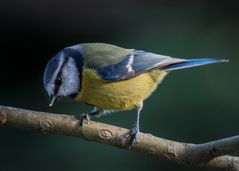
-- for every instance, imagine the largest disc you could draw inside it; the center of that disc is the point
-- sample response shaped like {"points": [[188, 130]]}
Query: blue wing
{"points": [[140, 61], [135, 63]]}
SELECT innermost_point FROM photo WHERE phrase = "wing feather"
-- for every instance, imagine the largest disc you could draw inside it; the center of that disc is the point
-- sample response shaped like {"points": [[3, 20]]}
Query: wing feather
{"points": [[135, 63]]}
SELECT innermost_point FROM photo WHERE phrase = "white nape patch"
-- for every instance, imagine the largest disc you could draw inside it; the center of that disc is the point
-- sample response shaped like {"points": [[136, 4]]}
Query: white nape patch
{"points": [[51, 85], [70, 78]]}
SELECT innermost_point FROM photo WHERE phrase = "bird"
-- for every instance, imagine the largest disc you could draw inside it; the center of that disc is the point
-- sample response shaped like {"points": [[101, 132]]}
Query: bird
{"points": [[110, 78]]}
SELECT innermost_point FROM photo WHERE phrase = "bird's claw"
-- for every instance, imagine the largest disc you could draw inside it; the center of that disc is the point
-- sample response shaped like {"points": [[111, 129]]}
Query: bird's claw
{"points": [[133, 136], [84, 118]]}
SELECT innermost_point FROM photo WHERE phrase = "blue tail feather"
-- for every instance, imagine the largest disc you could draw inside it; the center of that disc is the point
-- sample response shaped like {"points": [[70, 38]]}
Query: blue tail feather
{"points": [[192, 63]]}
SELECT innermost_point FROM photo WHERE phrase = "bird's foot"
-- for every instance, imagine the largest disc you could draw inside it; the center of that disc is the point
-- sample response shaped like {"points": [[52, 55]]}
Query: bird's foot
{"points": [[84, 118], [133, 136]]}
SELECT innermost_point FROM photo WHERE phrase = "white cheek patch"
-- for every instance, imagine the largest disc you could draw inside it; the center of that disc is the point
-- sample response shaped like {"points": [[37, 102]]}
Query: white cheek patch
{"points": [[70, 78]]}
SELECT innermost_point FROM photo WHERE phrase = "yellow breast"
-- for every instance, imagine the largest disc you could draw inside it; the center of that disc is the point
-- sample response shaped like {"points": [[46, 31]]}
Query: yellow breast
{"points": [[118, 95]]}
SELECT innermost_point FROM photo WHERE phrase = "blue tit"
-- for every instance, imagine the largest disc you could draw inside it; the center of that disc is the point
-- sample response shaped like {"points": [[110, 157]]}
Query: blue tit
{"points": [[109, 77]]}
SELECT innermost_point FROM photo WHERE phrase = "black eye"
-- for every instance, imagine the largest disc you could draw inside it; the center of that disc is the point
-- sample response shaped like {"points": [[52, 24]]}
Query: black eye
{"points": [[58, 81]]}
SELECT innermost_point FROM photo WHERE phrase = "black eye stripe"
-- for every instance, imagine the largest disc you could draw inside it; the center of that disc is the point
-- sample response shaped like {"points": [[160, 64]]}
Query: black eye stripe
{"points": [[58, 79]]}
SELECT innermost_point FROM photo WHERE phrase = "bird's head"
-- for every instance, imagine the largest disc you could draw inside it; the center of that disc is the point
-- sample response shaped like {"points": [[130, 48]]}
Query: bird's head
{"points": [[62, 73]]}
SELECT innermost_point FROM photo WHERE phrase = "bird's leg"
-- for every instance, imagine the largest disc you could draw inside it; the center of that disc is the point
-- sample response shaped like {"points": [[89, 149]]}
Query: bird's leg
{"points": [[86, 116], [135, 129]]}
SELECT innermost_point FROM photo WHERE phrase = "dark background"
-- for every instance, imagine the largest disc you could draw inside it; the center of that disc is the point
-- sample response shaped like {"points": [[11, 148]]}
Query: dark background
{"points": [[193, 105]]}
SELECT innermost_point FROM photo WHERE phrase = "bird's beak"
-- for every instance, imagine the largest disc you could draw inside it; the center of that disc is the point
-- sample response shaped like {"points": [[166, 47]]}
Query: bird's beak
{"points": [[53, 99]]}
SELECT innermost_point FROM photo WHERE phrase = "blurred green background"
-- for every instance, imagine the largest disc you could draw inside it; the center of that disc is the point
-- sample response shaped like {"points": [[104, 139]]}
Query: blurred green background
{"points": [[192, 105]]}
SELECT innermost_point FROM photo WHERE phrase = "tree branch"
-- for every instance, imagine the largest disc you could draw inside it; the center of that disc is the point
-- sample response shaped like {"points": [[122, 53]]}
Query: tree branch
{"points": [[214, 153]]}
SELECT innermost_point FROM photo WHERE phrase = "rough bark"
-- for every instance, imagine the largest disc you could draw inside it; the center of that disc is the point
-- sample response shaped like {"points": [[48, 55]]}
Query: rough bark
{"points": [[214, 153]]}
